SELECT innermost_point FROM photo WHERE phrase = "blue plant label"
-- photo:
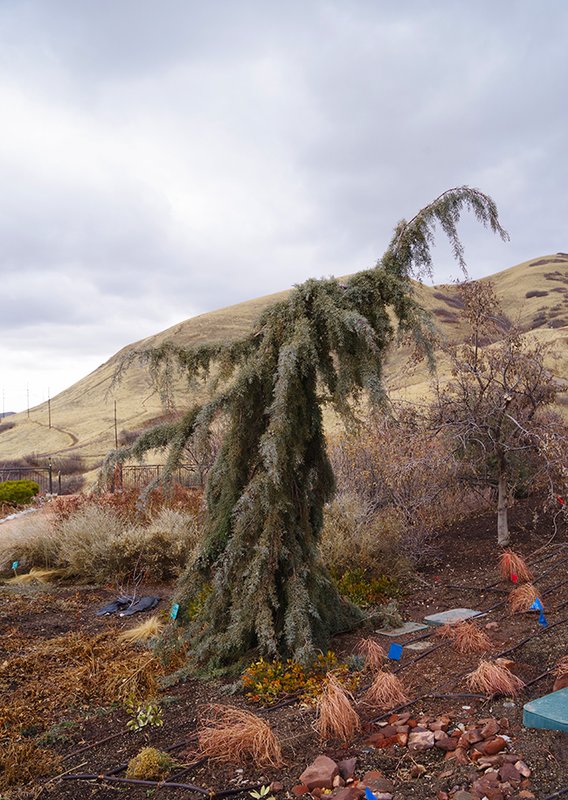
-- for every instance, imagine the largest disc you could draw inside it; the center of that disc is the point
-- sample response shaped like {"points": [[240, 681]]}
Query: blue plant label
{"points": [[174, 611], [368, 793], [15, 564], [542, 620], [395, 652], [537, 605]]}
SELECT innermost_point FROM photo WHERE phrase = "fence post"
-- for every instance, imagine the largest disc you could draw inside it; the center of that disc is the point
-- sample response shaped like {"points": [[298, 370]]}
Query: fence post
{"points": [[59, 482], [50, 472]]}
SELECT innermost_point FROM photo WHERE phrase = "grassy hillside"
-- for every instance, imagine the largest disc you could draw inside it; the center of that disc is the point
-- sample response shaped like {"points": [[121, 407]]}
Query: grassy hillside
{"points": [[534, 294]]}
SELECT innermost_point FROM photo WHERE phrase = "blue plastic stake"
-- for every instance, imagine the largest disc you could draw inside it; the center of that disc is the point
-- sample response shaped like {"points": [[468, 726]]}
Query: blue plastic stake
{"points": [[15, 565], [395, 652], [537, 605], [368, 793], [174, 611], [542, 619]]}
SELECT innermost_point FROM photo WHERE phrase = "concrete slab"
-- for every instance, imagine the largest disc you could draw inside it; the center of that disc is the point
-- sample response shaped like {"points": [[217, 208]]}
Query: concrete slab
{"points": [[451, 617], [407, 627], [425, 645], [549, 712]]}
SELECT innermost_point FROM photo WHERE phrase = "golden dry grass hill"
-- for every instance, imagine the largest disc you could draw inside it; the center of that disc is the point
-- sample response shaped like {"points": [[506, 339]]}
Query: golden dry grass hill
{"points": [[533, 294]]}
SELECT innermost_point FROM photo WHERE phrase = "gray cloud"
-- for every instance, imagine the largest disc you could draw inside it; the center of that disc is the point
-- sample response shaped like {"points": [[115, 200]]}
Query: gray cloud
{"points": [[162, 159]]}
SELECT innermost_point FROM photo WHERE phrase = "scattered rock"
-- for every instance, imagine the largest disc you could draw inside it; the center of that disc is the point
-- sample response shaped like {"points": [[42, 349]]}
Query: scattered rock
{"points": [[376, 782], [523, 769], [320, 773], [491, 728], [348, 793], [508, 772], [347, 768], [492, 746], [463, 795], [421, 740]]}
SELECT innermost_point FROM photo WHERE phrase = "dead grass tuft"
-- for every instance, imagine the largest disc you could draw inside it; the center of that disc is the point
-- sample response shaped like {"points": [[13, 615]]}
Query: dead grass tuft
{"points": [[522, 598], [512, 564], [36, 575], [336, 717], [386, 691], [466, 637], [372, 652], [148, 629], [491, 678], [233, 735]]}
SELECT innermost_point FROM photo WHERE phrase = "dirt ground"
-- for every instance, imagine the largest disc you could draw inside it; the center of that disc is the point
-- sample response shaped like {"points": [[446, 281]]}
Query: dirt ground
{"points": [[92, 738]]}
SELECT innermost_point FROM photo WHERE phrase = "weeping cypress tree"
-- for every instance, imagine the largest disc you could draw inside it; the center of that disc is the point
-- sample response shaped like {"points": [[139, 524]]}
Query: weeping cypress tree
{"points": [[324, 344]]}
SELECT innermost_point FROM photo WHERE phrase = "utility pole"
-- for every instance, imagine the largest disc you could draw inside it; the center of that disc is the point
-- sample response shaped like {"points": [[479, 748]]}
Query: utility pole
{"points": [[48, 407]]}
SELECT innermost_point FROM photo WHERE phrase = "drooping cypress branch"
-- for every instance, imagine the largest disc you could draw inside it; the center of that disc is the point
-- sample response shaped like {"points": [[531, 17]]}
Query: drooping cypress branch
{"points": [[267, 488]]}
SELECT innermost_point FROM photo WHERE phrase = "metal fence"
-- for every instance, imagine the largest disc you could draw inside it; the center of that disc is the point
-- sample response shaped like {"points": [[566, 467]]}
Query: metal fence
{"points": [[138, 476], [43, 476]]}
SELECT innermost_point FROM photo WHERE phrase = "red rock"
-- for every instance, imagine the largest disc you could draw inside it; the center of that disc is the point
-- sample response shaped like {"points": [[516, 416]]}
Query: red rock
{"points": [[347, 768], [402, 719], [412, 723], [523, 769], [402, 739], [490, 729], [376, 782], [320, 773], [276, 787], [448, 743], [348, 793], [384, 743], [560, 683], [491, 761], [463, 795], [509, 773], [492, 746], [299, 790], [440, 795], [421, 740], [472, 737], [402, 728], [417, 771], [460, 755], [503, 724], [338, 781], [524, 793]]}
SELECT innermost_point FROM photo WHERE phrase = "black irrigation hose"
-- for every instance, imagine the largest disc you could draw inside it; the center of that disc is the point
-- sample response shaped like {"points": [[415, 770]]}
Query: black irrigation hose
{"points": [[103, 778]]}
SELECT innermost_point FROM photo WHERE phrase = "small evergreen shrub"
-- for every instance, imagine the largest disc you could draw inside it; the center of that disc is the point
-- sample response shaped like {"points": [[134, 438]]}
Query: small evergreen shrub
{"points": [[150, 764], [18, 493], [266, 682], [365, 590]]}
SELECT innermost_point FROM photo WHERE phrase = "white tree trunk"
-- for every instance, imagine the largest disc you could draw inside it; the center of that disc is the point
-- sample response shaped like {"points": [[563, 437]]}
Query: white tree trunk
{"points": [[503, 536]]}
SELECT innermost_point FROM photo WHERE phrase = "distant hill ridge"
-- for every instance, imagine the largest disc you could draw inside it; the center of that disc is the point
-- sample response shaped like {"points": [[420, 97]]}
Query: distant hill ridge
{"points": [[533, 294]]}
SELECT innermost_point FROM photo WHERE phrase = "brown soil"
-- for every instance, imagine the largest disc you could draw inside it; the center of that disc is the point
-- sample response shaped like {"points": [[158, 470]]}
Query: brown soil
{"points": [[92, 738]]}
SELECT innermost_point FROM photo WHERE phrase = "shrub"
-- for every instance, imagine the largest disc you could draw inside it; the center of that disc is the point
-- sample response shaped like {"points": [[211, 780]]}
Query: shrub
{"points": [[97, 544], [364, 590], [266, 682], [18, 493], [150, 764]]}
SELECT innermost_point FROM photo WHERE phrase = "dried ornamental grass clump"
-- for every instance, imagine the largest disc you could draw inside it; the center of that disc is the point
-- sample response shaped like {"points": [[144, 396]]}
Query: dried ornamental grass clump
{"points": [[466, 637], [233, 735], [491, 678], [561, 669], [372, 652], [386, 691], [148, 629], [522, 598], [336, 717], [150, 764], [36, 575], [513, 567]]}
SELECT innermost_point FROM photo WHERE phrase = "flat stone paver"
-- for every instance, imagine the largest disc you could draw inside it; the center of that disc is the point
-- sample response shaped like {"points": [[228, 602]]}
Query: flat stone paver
{"points": [[407, 627], [549, 712], [452, 616]]}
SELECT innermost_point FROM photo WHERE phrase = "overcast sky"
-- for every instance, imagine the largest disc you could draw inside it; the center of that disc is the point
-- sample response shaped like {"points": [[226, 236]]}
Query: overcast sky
{"points": [[162, 158]]}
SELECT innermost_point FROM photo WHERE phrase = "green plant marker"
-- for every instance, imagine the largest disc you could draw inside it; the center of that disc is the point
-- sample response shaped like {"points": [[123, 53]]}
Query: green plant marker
{"points": [[175, 610]]}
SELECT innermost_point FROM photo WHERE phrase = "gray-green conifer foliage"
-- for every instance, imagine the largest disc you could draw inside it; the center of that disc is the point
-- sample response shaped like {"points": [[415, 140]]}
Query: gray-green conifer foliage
{"points": [[324, 344]]}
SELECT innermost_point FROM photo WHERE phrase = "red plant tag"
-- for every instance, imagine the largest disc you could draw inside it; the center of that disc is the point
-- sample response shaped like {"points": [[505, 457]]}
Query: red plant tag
{"points": [[561, 501], [514, 578]]}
